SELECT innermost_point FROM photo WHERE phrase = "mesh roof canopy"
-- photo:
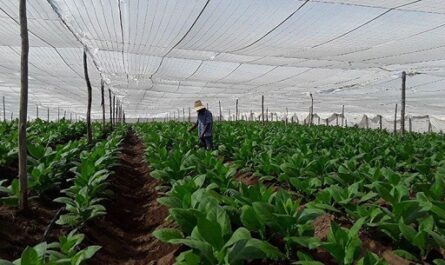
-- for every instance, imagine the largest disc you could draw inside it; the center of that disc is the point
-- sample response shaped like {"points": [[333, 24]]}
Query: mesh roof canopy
{"points": [[158, 56]]}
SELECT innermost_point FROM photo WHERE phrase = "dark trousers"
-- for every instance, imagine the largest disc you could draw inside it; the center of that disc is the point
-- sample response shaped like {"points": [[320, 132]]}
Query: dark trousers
{"points": [[206, 142]]}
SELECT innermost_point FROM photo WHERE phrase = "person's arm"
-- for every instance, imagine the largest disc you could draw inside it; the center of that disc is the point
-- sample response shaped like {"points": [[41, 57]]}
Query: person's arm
{"points": [[193, 127], [204, 131]]}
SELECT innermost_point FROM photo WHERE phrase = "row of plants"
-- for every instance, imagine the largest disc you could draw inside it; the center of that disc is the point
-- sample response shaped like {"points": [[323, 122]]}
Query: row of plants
{"points": [[375, 185], [75, 174]]}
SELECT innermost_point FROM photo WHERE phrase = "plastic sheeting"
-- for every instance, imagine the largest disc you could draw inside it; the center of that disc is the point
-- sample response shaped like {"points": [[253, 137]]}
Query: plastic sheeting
{"points": [[158, 56]]}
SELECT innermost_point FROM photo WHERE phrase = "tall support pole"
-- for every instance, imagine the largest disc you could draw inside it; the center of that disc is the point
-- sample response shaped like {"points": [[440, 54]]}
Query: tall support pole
{"points": [[220, 110], [380, 122], [58, 113], [267, 114], [410, 124], [342, 115], [287, 114], [236, 110], [395, 120], [47, 116], [37, 111], [402, 111], [262, 108], [336, 120], [190, 114], [114, 110], [318, 120], [4, 109], [23, 176], [430, 127], [367, 122], [111, 108], [230, 117], [102, 92], [71, 117], [64, 114], [87, 79], [183, 114], [312, 110]]}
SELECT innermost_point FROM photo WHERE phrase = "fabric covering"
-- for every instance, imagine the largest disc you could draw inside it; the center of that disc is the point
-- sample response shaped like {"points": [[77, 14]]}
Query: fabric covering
{"points": [[159, 56]]}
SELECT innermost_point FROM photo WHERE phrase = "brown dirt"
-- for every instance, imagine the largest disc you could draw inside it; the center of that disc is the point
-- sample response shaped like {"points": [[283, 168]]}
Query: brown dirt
{"points": [[18, 230], [322, 226], [246, 178], [125, 233]]}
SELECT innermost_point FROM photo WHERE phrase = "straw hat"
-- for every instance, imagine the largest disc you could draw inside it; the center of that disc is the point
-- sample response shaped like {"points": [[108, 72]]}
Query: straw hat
{"points": [[198, 105]]}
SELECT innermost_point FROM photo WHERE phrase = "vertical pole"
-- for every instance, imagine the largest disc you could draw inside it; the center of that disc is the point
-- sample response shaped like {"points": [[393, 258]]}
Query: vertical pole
{"points": [[318, 120], [47, 110], [4, 109], [102, 92], [23, 176], [262, 107], [287, 114], [111, 108], [367, 122], [37, 111], [114, 110], [311, 110], [336, 120], [190, 114], [230, 117], [267, 114], [342, 115], [58, 113], [395, 120], [410, 124], [380, 122], [183, 114], [12, 116], [87, 79], [327, 121], [430, 127], [236, 110], [220, 112], [402, 111], [71, 117], [64, 114]]}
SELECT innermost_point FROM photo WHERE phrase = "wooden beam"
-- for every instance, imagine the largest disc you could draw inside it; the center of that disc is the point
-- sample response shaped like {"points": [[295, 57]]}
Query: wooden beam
{"points": [[22, 154], [89, 90], [262, 107], [102, 92], [111, 108], [402, 110]]}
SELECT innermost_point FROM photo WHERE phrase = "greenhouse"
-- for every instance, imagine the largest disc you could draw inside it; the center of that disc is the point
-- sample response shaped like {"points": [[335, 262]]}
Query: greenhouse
{"points": [[219, 132]]}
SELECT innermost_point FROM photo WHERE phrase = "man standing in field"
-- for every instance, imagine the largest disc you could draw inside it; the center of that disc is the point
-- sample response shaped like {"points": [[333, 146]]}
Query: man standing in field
{"points": [[204, 124]]}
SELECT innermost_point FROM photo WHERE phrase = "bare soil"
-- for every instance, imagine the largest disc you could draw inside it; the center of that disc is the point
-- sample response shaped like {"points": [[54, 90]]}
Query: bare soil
{"points": [[125, 233]]}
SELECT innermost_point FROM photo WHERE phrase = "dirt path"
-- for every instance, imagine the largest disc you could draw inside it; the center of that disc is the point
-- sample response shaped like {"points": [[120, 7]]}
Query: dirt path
{"points": [[125, 233]]}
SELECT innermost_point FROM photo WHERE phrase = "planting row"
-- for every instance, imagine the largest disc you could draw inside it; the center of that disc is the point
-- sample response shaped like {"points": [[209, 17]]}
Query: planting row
{"points": [[301, 194]]}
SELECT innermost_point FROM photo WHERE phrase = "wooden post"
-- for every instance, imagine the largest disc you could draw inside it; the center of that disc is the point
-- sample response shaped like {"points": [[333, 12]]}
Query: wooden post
{"points": [[22, 153], [37, 111], [111, 108], [267, 114], [102, 92], [311, 110], [395, 120], [262, 107], [47, 110], [87, 79], [342, 115], [410, 124], [236, 110], [380, 122], [402, 111], [114, 110], [4, 109], [220, 112]]}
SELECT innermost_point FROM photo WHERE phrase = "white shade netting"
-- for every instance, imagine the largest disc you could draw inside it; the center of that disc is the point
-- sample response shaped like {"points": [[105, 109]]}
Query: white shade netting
{"points": [[159, 56]]}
